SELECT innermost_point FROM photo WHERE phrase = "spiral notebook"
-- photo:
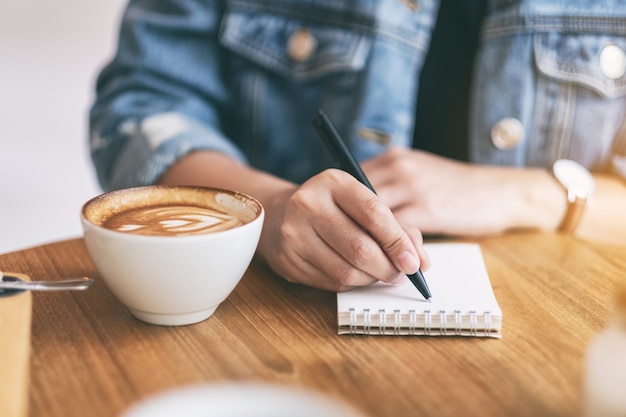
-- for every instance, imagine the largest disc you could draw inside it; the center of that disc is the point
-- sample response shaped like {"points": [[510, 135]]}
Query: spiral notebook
{"points": [[463, 302]]}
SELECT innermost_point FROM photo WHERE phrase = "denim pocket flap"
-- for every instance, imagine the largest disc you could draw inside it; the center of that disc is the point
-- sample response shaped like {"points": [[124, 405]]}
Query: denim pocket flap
{"points": [[294, 47], [597, 62]]}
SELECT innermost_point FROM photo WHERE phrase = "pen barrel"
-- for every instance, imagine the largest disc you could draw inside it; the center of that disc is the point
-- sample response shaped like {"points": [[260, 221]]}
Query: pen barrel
{"points": [[339, 149]]}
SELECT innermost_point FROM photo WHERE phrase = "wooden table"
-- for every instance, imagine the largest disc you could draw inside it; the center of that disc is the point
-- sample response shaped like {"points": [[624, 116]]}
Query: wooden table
{"points": [[90, 357]]}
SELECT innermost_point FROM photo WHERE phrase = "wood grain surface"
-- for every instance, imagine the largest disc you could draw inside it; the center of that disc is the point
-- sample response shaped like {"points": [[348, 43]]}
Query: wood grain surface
{"points": [[91, 357]]}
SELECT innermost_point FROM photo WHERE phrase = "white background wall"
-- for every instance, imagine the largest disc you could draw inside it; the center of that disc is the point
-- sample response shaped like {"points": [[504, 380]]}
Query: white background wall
{"points": [[50, 53]]}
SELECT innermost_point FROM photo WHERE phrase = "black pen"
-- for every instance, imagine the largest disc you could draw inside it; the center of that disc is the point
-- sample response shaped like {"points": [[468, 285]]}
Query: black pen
{"points": [[342, 155]]}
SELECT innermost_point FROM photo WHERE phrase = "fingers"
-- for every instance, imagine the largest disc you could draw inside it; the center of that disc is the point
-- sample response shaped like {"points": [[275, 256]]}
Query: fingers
{"points": [[362, 259], [370, 213], [392, 174], [334, 233], [345, 250], [418, 242], [327, 271], [293, 247]]}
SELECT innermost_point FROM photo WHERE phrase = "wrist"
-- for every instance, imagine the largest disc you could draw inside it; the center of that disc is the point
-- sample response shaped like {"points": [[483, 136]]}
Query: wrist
{"points": [[541, 204]]}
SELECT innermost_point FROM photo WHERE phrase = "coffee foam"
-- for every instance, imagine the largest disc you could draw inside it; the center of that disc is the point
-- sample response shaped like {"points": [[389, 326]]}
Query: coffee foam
{"points": [[172, 220], [171, 211]]}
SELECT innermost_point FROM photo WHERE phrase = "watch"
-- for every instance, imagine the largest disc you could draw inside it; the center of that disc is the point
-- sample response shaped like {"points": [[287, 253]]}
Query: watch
{"points": [[579, 185]]}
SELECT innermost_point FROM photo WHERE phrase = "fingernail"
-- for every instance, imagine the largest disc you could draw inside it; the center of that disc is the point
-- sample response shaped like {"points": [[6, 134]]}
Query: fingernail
{"points": [[407, 263]]}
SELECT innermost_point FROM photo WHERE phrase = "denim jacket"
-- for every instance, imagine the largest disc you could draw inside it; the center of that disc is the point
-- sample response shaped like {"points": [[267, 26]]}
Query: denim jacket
{"points": [[246, 77]]}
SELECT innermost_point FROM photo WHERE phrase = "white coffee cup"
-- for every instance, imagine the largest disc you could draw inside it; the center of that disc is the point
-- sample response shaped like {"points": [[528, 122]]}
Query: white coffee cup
{"points": [[172, 254]]}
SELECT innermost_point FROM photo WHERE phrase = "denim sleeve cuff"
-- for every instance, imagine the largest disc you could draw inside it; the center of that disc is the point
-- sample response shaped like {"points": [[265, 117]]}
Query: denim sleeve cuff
{"points": [[154, 144]]}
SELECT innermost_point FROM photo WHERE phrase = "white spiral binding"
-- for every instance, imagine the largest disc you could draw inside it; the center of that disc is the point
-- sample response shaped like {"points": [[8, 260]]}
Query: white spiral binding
{"points": [[412, 322], [487, 317], [443, 322], [353, 323], [397, 322], [382, 321], [473, 323], [367, 321], [413, 328]]}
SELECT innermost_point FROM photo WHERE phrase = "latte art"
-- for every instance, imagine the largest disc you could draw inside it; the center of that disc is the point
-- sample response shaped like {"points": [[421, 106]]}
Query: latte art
{"points": [[173, 220]]}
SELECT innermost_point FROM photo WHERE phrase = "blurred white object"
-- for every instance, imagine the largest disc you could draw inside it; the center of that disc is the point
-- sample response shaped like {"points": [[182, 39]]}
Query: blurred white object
{"points": [[241, 400], [605, 372]]}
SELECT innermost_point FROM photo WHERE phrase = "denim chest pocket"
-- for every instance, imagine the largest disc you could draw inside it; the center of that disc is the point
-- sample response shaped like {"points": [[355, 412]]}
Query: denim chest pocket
{"points": [[294, 47], [568, 90], [581, 96], [596, 62]]}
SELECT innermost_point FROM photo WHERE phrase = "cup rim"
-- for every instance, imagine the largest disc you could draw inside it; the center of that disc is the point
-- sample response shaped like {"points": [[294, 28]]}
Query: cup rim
{"points": [[260, 213]]}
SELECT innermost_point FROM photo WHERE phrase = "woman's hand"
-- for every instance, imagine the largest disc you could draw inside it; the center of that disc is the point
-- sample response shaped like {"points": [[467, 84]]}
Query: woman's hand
{"points": [[445, 197], [334, 233]]}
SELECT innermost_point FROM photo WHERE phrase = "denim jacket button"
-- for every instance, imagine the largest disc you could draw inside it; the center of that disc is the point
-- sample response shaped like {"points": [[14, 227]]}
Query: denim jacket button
{"points": [[301, 45], [413, 5], [507, 133], [612, 61], [376, 136]]}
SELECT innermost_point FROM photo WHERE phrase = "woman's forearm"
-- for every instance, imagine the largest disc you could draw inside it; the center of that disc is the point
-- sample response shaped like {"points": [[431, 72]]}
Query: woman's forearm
{"points": [[214, 169]]}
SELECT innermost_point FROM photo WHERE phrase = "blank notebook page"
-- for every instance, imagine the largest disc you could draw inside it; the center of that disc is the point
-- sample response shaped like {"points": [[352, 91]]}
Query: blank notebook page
{"points": [[463, 302]]}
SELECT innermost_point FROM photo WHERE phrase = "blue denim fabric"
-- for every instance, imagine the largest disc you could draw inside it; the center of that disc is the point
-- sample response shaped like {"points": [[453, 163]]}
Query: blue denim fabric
{"points": [[192, 74], [539, 63]]}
